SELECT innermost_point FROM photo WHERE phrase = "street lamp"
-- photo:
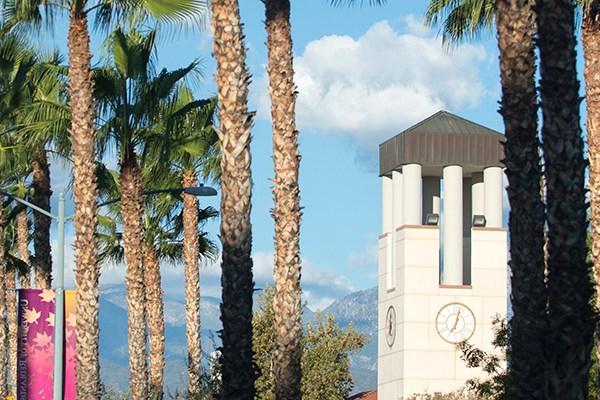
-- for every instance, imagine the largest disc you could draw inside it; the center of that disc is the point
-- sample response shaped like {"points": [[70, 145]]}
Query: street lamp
{"points": [[194, 191], [59, 273]]}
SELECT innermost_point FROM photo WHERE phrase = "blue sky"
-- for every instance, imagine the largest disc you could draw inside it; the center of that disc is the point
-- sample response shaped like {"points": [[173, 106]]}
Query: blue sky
{"points": [[363, 74]]}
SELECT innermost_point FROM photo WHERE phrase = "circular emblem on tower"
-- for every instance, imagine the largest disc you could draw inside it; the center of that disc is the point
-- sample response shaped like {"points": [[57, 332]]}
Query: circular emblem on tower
{"points": [[390, 326]]}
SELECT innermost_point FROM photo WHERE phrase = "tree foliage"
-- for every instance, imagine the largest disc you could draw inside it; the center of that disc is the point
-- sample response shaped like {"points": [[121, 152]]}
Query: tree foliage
{"points": [[457, 395], [495, 385], [325, 358]]}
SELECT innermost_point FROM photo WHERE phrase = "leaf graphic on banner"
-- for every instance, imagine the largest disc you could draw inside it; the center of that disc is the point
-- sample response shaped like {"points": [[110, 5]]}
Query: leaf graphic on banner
{"points": [[50, 319], [42, 339], [32, 316], [71, 320], [47, 295]]}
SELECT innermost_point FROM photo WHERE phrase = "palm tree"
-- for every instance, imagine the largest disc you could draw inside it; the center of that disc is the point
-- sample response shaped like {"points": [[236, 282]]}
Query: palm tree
{"points": [[130, 95], [44, 122], [559, 88], [12, 243], [3, 310], [470, 17], [41, 238], [16, 63], [12, 326], [12, 323], [287, 301], [187, 141], [87, 271], [83, 155], [13, 265], [8, 309], [13, 169], [571, 317], [23, 238], [232, 79], [591, 52], [112, 250], [16, 168], [35, 103], [516, 29], [156, 320], [8, 49], [192, 286], [163, 242]]}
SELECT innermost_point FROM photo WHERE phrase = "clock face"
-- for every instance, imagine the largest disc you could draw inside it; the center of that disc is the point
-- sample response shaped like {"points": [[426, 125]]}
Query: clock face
{"points": [[455, 323], [390, 326]]}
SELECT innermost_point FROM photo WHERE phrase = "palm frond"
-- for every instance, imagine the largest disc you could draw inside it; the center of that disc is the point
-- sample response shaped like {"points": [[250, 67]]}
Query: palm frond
{"points": [[438, 10], [111, 250], [460, 20], [172, 15]]}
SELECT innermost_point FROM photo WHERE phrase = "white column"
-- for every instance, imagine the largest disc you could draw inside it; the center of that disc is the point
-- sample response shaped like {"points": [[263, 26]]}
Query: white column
{"points": [[431, 195], [492, 180], [386, 204], [453, 225], [477, 194], [412, 191], [397, 218]]}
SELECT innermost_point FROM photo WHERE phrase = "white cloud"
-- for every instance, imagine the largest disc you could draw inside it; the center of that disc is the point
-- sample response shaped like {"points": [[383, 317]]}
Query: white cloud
{"points": [[378, 84], [416, 26]]}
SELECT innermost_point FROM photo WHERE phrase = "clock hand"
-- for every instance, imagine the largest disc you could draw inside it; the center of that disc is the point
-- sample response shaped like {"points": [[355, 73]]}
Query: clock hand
{"points": [[455, 321]]}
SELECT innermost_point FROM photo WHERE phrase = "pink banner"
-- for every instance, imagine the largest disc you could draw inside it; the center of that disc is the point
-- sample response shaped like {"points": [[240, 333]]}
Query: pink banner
{"points": [[70, 346], [36, 345]]}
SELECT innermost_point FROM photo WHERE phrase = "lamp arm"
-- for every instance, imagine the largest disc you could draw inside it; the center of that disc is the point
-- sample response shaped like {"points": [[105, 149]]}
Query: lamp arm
{"points": [[28, 204]]}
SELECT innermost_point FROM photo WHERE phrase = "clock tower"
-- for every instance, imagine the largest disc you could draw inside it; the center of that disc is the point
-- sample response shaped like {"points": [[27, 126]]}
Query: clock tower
{"points": [[442, 253]]}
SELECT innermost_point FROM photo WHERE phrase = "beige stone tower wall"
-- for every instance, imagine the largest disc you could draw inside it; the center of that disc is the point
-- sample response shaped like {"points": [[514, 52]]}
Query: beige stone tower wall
{"points": [[420, 360]]}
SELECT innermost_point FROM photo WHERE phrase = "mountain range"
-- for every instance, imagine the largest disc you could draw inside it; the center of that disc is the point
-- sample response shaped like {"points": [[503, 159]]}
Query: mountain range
{"points": [[358, 309]]}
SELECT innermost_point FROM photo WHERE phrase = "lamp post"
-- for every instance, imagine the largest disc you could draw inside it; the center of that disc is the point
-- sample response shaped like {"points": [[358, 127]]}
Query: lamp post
{"points": [[59, 273]]}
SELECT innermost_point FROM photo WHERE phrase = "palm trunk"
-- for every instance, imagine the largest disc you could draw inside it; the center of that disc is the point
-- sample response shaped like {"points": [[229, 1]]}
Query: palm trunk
{"points": [[287, 302], [87, 271], [570, 340], [515, 20], [3, 312], [41, 223], [591, 53], [11, 309], [131, 212], [23, 244], [192, 287], [156, 321], [232, 79]]}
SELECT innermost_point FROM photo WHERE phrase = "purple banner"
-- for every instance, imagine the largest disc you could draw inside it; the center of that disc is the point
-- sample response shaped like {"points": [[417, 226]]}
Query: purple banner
{"points": [[36, 345]]}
